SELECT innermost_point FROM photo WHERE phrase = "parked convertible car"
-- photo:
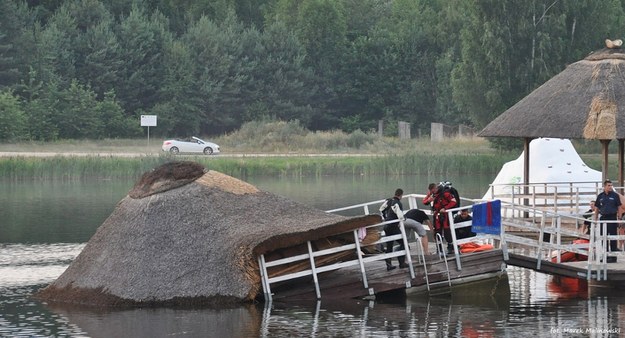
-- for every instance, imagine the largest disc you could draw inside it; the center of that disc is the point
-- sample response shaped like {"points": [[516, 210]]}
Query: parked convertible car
{"points": [[190, 145]]}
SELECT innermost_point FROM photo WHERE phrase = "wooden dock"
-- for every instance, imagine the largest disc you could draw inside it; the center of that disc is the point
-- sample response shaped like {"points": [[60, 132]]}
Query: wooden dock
{"points": [[346, 282]]}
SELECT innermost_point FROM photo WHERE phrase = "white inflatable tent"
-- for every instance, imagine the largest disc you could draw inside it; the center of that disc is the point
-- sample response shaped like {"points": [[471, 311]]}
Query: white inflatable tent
{"points": [[552, 161]]}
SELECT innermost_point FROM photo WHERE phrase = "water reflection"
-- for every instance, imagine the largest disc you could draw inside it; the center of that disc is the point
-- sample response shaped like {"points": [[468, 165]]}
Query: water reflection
{"points": [[408, 318], [478, 310], [487, 309], [241, 321]]}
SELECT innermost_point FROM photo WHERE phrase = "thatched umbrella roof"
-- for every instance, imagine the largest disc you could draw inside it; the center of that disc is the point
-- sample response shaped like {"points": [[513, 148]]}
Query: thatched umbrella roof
{"points": [[584, 101], [185, 235]]}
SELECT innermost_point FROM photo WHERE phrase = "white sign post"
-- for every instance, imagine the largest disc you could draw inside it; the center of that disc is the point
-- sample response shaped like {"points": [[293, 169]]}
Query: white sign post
{"points": [[148, 121]]}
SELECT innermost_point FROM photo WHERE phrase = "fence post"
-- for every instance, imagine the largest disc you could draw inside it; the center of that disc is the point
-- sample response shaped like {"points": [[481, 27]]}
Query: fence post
{"points": [[404, 130], [437, 133]]}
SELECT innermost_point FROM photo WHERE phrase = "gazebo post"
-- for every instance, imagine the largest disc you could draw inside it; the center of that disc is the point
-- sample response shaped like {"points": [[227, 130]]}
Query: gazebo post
{"points": [[526, 163], [621, 159], [526, 172], [604, 164]]}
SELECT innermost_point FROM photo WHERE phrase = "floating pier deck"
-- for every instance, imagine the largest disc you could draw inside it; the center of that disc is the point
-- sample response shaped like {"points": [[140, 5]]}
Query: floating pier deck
{"points": [[347, 283]]}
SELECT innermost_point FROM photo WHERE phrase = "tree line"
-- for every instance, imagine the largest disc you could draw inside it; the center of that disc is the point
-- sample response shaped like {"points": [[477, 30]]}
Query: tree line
{"points": [[89, 68]]}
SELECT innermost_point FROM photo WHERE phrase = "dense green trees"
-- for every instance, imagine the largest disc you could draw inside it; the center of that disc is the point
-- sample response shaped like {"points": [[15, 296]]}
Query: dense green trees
{"points": [[90, 68]]}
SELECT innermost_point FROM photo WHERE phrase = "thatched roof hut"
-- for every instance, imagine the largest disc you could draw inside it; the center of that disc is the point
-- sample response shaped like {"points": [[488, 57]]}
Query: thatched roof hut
{"points": [[584, 101], [185, 235]]}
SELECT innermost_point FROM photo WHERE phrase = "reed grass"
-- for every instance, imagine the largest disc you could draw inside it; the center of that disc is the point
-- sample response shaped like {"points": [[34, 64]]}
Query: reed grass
{"points": [[76, 168], [112, 167]]}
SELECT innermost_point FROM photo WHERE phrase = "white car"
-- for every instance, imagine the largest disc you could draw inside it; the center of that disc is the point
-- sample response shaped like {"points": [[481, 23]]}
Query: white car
{"points": [[190, 145]]}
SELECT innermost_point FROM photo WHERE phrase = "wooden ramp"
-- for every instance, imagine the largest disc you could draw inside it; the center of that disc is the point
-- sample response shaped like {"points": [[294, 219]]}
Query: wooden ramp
{"points": [[347, 282]]}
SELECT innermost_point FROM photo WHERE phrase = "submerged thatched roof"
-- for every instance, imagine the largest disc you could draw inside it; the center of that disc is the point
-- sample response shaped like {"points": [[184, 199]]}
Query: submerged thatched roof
{"points": [[188, 242], [586, 100]]}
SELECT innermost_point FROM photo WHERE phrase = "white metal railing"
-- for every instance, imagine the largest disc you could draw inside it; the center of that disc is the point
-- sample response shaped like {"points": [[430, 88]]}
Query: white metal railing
{"points": [[551, 224], [412, 204], [314, 270], [495, 240], [565, 197], [413, 200]]}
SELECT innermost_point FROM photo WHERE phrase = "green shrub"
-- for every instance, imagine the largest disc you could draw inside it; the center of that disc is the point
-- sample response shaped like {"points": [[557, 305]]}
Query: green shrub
{"points": [[13, 120]]}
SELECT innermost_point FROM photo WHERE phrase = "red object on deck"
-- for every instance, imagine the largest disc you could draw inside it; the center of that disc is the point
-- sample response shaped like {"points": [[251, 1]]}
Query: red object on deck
{"points": [[568, 256], [474, 247]]}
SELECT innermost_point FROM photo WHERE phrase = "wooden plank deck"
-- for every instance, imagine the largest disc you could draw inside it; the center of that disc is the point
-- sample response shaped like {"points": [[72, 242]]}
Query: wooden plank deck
{"points": [[347, 282]]}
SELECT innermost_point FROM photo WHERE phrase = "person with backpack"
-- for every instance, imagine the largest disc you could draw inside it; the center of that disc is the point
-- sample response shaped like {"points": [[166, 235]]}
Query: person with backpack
{"points": [[445, 199], [393, 228], [453, 191]]}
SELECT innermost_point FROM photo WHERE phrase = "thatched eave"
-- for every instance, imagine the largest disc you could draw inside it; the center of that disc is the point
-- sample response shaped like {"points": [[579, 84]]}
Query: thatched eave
{"points": [[292, 239], [584, 101]]}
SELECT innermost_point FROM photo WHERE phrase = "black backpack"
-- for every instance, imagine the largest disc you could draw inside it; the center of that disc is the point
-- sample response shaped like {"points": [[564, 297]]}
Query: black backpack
{"points": [[451, 190], [454, 192], [386, 208]]}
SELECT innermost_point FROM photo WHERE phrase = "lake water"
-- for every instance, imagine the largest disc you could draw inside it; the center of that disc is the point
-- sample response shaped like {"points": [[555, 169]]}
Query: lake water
{"points": [[44, 225]]}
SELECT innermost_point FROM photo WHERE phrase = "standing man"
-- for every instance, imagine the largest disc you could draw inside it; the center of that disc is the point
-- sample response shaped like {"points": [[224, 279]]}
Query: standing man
{"points": [[393, 228], [607, 204]]}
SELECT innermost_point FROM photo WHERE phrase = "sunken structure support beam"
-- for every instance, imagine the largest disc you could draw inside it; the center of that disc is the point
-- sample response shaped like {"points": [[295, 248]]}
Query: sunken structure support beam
{"points": [[621, 159], [604, 159]]}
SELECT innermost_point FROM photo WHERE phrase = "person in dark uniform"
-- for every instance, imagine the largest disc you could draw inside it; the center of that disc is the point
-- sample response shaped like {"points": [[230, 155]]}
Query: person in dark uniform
{"points": [[607, 204], [393, 228]]}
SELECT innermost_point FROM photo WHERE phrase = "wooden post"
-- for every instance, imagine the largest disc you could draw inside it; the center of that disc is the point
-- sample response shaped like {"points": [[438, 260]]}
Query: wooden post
{"points": [[381, 127], [604, 164]]}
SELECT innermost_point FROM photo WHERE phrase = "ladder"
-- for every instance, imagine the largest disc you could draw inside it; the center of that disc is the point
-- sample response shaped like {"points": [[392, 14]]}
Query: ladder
{"points": [[443, 256]]}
